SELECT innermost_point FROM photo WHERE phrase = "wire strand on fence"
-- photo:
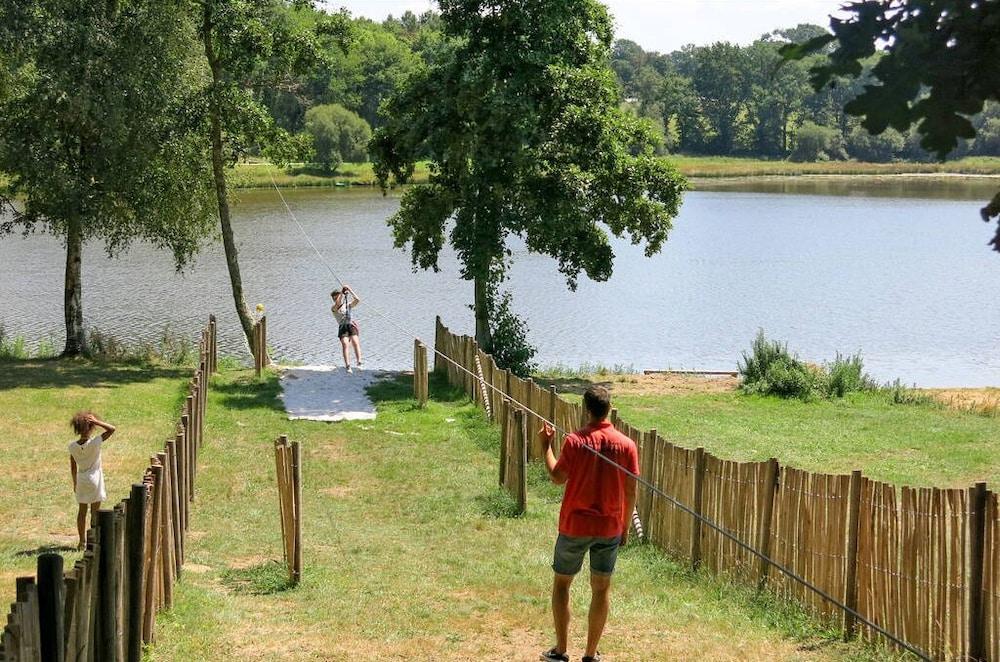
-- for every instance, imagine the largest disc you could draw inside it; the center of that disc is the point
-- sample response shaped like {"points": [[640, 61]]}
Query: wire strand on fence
{"points": [[649, 486]]}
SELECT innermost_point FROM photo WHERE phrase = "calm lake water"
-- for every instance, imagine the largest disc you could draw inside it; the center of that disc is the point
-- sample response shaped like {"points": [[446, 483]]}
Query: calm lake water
{"points": [[896, 269]]}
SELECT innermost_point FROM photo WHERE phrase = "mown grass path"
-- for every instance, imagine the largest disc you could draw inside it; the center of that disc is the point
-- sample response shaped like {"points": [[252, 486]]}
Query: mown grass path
{"points": [[408, 553]]}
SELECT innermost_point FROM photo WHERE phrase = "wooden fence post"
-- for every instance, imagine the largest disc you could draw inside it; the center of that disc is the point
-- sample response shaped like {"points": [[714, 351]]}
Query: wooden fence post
{"points": [[699, 484], [213, 359], [420, 377], [51, 608], [769, 488], [297, 522], [108, 587], [439, 348], [851, 559], [521, 448], [135, 529], [505, 424], [977, 537]]}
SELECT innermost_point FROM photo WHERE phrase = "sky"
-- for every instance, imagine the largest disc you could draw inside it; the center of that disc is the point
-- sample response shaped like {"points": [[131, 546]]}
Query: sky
{"points": [[663, 25]]}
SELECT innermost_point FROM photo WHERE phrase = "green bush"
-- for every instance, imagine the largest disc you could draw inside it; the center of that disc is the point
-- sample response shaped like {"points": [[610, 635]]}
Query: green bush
{"points": [[846, 375], [338, 135], [770, 369], [511, 349]]}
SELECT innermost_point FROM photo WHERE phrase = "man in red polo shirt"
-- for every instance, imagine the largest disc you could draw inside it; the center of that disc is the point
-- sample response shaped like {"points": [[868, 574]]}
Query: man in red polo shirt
{"points": [[596, 512]]}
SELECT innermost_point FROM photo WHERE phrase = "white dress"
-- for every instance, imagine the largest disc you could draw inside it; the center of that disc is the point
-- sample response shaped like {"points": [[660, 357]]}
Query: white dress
{"points": [[89, 474]]}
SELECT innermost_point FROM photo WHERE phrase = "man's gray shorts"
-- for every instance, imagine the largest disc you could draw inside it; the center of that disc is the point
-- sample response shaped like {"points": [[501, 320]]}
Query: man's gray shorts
{"points": [[568, 558]]}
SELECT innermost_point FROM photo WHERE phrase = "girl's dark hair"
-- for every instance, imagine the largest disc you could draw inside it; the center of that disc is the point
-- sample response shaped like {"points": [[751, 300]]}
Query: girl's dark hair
{"points": [[597, 401], [80, 422]]}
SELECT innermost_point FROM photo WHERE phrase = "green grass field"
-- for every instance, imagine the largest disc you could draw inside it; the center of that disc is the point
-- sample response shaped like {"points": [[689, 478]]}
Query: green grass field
{"points": [[258, 175], [409, 551]]}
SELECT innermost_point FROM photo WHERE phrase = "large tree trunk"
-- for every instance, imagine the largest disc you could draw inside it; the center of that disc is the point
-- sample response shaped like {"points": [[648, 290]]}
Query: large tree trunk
{"points": [[483, 335], [76, 342], [218, 172]]}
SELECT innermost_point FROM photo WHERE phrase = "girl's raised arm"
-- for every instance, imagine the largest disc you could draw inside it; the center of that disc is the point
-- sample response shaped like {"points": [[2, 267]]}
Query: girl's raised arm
{"points": [[108, 428]]}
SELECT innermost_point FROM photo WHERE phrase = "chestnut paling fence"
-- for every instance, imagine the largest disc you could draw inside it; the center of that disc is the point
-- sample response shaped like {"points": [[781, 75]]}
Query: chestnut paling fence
{"points": [[921, 563], [104, 607]]}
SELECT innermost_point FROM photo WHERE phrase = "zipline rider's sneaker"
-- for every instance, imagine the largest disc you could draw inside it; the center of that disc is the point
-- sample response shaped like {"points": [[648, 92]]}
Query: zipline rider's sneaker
{"points": [[554, 656]]}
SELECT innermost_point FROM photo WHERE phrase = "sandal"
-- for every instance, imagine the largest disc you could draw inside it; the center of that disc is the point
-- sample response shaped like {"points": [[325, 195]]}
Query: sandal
{"points": [[552, 655]]}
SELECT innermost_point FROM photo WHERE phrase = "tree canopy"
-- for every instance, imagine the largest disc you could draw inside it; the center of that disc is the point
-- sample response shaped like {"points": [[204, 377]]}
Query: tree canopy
{"points": [[94, 134], [521, 124], [937, 66]]}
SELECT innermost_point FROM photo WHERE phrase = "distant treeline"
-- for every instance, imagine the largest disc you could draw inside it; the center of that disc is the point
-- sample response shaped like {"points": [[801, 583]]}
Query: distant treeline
{"points": [[722, 99]]}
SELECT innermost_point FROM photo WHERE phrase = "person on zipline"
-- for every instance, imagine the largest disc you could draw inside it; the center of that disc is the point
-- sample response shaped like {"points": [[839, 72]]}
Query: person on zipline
{"points": [[596, 512], [344, 301]]}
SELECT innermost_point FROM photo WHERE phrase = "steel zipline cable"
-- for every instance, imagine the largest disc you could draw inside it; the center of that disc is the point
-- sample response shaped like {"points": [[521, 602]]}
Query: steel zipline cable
{"points": [[791, 574]]}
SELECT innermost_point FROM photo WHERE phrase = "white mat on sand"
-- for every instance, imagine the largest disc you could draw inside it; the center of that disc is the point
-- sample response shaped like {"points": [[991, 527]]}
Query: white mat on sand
{"points": [[325, 393]]}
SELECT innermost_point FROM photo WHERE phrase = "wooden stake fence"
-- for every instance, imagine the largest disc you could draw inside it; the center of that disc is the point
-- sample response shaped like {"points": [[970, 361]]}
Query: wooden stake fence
{"points": [[923, 563], [104, 607], [288, 462]]}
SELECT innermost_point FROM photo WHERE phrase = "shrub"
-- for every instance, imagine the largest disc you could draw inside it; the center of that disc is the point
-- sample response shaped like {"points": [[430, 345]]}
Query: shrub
{"points": [[882, 148], [338, 135], [511, 349], [769, 369], [846, 375]]}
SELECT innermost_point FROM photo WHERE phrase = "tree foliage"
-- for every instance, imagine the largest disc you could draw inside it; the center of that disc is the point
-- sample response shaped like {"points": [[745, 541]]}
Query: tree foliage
{"points": [[94, 131], [522, 126], [938, 65], [338, 135]]}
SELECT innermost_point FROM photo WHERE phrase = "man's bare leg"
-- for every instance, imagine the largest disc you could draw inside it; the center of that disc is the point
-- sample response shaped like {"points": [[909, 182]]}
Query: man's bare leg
{"points": [[600, 603], [560, 609]]}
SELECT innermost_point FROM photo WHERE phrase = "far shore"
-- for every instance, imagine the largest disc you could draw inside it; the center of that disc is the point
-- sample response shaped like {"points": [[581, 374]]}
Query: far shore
{"points": [[700, 170]]}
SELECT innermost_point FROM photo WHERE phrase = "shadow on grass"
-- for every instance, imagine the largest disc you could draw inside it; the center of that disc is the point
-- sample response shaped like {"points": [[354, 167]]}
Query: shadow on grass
{"points": [[265, 578], [60, 373], [251, 393], [45, 549]]}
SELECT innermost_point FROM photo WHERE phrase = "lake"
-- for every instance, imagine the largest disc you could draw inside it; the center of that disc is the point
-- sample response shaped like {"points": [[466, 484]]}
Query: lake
{"points": [[895, 268]]}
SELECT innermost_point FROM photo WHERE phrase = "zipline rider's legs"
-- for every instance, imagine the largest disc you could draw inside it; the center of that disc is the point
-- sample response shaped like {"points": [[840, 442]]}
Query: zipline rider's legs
{"points": [[356, 343], [344, 344]]}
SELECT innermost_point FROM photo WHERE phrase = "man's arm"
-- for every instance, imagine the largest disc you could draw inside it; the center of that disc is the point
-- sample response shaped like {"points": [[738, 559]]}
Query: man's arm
{"points": [[108, 428], [545, 435]]}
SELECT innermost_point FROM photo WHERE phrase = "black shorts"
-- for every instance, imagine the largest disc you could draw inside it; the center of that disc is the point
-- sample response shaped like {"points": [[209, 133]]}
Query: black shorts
{"points": [[346, 330]]}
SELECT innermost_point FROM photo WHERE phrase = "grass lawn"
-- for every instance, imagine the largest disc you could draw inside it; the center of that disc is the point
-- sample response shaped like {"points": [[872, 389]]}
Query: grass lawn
{"points": [[409, 552], [913, 444]]}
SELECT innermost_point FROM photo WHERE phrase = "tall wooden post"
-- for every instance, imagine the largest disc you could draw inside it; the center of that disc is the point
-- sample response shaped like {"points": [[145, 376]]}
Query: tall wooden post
{"points": [[420, 377], [521, 449], [297, 523], [696, 505], [978, 496], [851, 560], [768, 488], [108, 591], [135, 552], [50, 608]]}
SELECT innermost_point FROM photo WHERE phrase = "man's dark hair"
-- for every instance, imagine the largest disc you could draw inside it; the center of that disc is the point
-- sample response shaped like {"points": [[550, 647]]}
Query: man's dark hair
{"points": [[597, 401]]}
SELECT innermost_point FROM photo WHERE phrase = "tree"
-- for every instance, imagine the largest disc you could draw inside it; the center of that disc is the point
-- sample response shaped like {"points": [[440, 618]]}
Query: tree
{"points": [[522, 127], [777, 95], [939, 64], [94, 136], [817, 143], [250, 45], [882, 148], [724, 87], [338, 135]]}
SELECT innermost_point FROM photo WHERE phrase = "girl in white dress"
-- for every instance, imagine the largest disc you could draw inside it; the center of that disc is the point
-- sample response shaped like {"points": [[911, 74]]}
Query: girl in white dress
{"points": [[85, 467]]}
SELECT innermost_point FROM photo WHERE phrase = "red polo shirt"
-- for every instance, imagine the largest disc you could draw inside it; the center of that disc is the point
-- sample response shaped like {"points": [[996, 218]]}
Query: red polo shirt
{"points": [[594, 500]]}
